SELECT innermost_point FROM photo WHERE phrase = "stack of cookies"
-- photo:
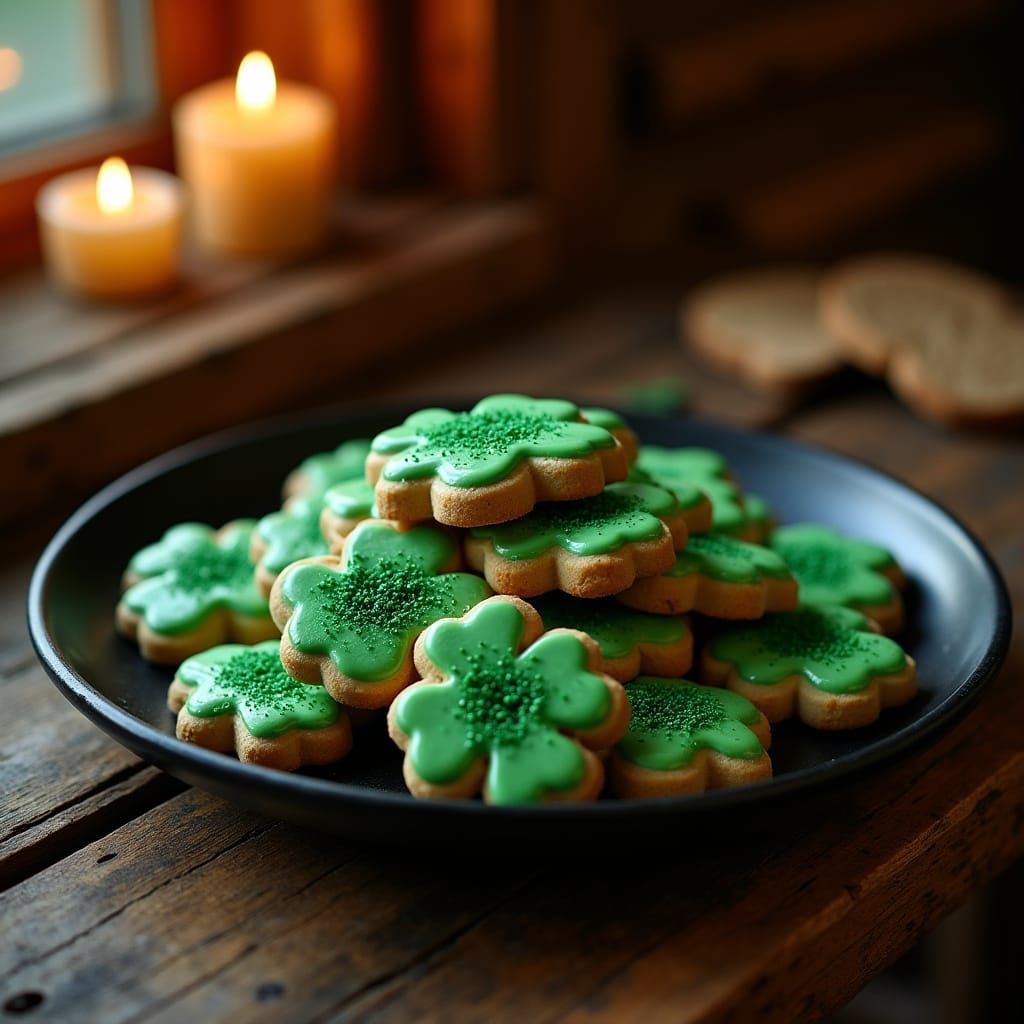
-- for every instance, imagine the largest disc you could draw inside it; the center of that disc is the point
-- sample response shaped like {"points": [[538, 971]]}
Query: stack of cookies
{"points": [[527, 595]]}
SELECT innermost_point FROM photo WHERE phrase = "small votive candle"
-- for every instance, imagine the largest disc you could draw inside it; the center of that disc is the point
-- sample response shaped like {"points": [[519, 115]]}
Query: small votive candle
{"points": [[259, 160], [112, 233]]}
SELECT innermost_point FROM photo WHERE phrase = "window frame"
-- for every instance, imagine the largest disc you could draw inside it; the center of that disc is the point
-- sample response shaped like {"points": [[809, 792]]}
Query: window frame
{"points": [[191, 39]]}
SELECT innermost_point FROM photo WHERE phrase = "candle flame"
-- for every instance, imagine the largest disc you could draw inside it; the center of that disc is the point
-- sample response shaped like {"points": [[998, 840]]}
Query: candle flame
{"points": [[256, 84], [114, 190]]}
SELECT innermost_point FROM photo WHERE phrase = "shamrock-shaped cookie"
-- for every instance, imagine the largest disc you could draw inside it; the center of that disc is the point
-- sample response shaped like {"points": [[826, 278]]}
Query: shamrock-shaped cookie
{"points": [[492, 464], [630, 642], [706, 469], [237, 698], [319, 472], [719, 576], [350, 623], [694, 504], [684, 738], [345, 506], [507, 710], [590, 548], [285, 537], [760, 519], [194, 588], [836, 570], [823, 664], [616, 425]]}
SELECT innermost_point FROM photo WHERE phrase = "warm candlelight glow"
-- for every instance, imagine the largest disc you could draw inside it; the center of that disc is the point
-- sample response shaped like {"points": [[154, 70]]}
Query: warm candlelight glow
{"points": [[256, 84], [10, 68], [114, 192]]}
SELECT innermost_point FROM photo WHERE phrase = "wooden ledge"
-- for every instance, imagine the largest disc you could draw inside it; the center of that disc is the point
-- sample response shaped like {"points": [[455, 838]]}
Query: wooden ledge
{"points": [[73, 376]]}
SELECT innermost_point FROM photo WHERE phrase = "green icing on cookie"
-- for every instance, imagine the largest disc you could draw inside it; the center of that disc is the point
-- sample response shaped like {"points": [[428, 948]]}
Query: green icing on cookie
{"points": [[615, 629], [672, 719], [366, 615], [833, 648], [699, 469], [291, 534], [687, 494], [352, 499], [758, 512], [485, 445], [191, 573], [727, 559], [319, 472], [506, 706], [621, 514], [252, 683], [604, 418], [832, 569]]}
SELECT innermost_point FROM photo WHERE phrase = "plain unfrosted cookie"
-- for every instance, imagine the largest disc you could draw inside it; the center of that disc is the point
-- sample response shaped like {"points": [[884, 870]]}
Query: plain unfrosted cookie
{"points": [[825, 665], [683, 738], [507, 710], [492, 464], [350, 622], [630, 641], [193, 589], [946, 336], [590, 548], [764, 326], [239, 699]]}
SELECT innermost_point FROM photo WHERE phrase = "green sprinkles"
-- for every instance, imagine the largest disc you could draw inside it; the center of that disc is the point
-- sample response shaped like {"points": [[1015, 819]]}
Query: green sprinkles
{"points": [[500, 699], [590, 513], [201, 569], [469, 436], [657, 708], [391, 594], [717, 545], [829, 566], [806, 633], [258, 677]]}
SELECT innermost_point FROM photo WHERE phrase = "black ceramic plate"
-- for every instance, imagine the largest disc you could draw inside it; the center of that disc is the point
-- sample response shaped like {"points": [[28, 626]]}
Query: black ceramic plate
{"points": [[958, 610]]}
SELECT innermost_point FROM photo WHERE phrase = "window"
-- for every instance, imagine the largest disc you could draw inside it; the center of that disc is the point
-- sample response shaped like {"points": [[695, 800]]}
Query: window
{"points": [[67, 66]]}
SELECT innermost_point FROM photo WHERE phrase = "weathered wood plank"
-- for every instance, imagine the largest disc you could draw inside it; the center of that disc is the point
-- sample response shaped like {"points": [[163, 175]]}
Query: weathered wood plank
{"points": [[825, 903], [65, 782], [205, 909], [453, 270]]}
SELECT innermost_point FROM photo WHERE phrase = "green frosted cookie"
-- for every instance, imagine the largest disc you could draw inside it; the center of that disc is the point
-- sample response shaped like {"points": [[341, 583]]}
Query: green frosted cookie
{"points": [[351, 624], [495, 708], [630, 641], [683, 738], [194, 588], [238, 698], [823, 663]]}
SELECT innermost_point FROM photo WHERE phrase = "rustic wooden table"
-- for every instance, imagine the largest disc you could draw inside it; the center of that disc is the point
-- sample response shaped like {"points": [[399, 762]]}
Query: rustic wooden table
{"points": [[127, 896]]}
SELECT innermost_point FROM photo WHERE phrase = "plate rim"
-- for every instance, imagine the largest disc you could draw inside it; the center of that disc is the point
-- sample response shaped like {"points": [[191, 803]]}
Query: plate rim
{"points": [[167, 750]]}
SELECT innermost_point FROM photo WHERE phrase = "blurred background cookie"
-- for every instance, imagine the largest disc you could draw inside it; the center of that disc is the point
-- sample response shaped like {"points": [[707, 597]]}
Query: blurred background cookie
{"points": [[946, 336], [763, 325]]}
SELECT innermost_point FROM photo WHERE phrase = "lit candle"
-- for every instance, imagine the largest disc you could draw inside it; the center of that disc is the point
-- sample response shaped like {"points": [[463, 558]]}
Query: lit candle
{"points": [[112, 233], [258, 157]]}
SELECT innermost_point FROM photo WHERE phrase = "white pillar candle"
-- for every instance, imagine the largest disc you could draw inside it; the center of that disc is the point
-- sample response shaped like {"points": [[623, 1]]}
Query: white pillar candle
{"points": [[111, 232], [259, 160]]}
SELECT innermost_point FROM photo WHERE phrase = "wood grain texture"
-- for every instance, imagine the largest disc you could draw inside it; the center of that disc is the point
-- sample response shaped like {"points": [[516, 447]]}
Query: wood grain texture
{"points": [[276, 331], [175, 906]]}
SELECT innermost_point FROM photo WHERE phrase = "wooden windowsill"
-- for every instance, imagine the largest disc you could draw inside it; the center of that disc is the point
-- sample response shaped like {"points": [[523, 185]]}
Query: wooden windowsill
{"points": [[72, 374]]}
